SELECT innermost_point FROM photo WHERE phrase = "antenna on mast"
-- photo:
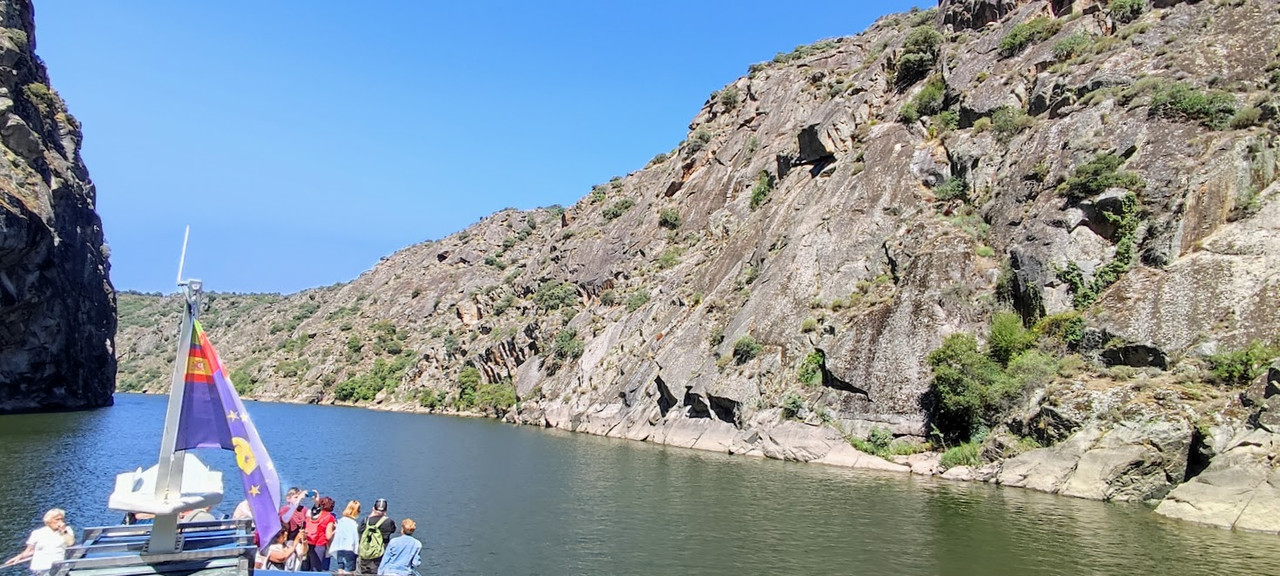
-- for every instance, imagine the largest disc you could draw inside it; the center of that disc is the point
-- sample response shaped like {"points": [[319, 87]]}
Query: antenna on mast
{"points": [[183, 259]]}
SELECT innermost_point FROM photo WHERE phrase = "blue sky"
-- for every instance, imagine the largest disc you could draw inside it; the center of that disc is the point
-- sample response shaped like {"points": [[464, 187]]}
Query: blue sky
{"points": [[304, 140]]}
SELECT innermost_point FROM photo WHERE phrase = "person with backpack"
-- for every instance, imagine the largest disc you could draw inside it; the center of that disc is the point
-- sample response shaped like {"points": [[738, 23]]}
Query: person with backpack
{"points": [[375, 533]]}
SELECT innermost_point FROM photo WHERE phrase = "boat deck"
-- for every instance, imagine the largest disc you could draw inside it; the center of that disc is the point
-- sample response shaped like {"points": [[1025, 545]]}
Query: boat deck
{"points": [[216, 548]]}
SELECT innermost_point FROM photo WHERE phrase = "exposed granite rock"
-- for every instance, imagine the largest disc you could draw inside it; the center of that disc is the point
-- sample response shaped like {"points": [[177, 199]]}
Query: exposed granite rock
{"points": [[1240, 488], [820, 295], [57, 306]]}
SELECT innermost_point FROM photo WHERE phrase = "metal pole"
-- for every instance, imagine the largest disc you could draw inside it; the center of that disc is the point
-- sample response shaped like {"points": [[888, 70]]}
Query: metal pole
{"points": [[164, 531]]}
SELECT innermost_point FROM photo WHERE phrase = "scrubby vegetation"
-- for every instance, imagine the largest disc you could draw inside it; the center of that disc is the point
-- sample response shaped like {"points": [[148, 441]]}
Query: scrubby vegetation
{"points": [[1026, 33], [1239, 367], [927, 102], [919, 55], [973, 386], [618, 209], [1125, 11], [760, 191], [745, 349], [1180, 101], [1097, 175], [811, 368]]}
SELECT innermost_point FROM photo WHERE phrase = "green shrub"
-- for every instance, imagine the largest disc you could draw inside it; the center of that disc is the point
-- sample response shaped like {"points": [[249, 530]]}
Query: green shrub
{"points": [[431, 399], [760, 191], [243, 381], [1245, 117], [1007, 122], [44, 98], [729, 97], [495, 397], [981, 125], [618, 209], [1071, 46], [1007, 337], [1126, 222], [1240, 367], [970, 388], [1177, 100], [745, 349], [637, 299], [809, 325], [660, 158], [792, 405], [947, 120], [503, 303], [468, 381], [567, 345], [953, 188], [669, 257], [1097, 175], [811, 368], [1032, 368], [701, 137], [716, 337], [1066, 327], [609, 297], [963, 455], [919, 55], [880, 438], [1023, 34], [669, 218], [1125, 11], [927, 102], [555, 295]]}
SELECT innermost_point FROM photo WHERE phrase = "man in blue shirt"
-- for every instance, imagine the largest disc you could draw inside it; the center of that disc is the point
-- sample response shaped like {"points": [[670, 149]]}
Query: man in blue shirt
{"points": [[404, 552]]}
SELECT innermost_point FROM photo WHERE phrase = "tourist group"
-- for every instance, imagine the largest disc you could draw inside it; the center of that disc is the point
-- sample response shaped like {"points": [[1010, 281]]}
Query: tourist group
{"points": [[311, 540]]}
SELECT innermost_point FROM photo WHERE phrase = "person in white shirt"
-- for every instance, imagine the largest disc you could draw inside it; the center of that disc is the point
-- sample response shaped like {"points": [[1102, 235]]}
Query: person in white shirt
{"points": [[48, 544]]}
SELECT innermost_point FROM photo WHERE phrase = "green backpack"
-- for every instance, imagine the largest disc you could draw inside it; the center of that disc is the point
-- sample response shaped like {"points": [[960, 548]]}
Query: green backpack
{"points": [[371, 545]]}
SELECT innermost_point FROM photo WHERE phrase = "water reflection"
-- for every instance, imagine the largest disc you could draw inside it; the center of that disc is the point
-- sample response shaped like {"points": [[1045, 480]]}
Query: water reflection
{"points": [[496, 499]]}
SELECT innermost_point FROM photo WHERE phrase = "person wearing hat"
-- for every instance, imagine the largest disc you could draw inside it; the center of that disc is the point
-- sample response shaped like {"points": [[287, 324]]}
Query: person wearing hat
{"points": [[377, 520]]}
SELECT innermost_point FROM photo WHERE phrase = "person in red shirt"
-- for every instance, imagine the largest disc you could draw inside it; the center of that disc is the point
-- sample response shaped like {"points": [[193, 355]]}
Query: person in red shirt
{"points": [[320, 527]]}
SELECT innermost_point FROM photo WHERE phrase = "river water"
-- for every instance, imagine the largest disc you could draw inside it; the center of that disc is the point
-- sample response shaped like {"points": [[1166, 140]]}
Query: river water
{"points": [[492, 498]]}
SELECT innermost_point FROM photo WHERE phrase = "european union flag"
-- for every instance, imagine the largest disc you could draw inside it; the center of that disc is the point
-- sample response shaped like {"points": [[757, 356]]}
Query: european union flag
{"points": [[214, 417]]}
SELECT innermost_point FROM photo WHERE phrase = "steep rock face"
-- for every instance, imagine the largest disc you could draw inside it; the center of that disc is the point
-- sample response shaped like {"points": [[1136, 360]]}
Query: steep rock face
{"points": [[57, 306], [774, 285]]}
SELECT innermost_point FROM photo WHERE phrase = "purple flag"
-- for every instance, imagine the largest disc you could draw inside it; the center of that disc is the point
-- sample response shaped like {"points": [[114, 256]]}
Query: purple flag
{"points": [[214, 417]]}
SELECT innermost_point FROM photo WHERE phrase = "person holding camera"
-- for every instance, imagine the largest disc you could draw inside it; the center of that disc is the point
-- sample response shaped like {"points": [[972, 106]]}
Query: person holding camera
{"points": [[47, 544], [293, 515], [319, 530]]}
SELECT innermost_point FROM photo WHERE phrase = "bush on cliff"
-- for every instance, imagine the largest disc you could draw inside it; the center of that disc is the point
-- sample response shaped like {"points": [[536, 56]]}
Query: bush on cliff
{"points": [[973, 387], [1240, 367], [1008, 337], [1125, 11], [1022, 35], [495, 397], [919, 55]]}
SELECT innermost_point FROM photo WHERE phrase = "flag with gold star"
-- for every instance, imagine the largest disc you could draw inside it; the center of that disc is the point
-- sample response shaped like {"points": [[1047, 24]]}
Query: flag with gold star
{"points": [[214, 417]]}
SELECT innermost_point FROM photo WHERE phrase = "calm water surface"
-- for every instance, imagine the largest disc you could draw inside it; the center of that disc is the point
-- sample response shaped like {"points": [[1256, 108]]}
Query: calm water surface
{"points": [[491, 498]]}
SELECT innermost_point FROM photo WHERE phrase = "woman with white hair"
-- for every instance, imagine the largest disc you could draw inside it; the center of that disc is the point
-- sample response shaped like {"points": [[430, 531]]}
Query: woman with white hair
{"points": [[48, 544]]}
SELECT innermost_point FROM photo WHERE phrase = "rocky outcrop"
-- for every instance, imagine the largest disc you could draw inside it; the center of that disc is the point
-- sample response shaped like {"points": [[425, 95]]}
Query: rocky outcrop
{"points": [[774, 285], [1240, 488], [57, 306]]}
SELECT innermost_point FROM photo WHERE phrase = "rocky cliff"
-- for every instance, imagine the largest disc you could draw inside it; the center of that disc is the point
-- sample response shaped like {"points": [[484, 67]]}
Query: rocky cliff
{"points": [[57, 307], [777, 285]]}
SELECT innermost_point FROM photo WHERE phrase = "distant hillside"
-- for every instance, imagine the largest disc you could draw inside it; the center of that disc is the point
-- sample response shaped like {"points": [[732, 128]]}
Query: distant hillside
{"points": [[1041, 234]]}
